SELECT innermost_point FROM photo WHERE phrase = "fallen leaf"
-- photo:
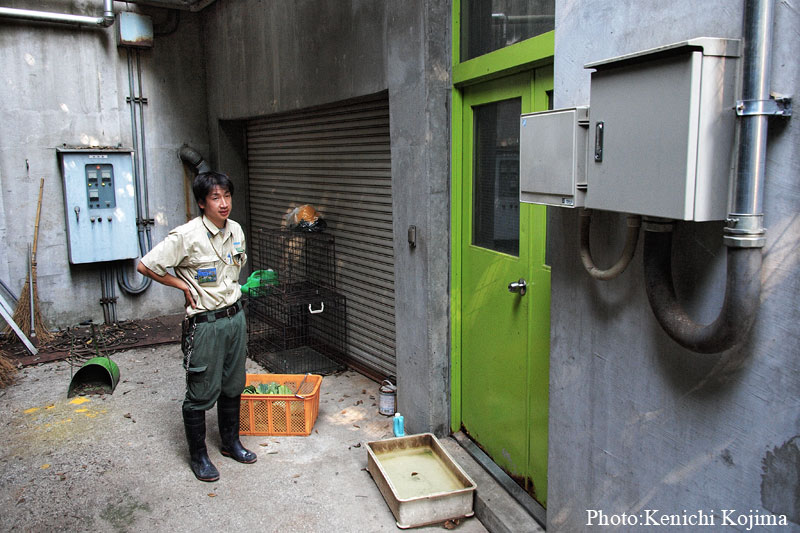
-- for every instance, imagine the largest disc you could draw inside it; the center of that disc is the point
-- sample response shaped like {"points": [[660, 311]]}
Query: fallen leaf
{"points": [[45, 466], [127, 415], [212, 495], [263, 443], [356, 426]]}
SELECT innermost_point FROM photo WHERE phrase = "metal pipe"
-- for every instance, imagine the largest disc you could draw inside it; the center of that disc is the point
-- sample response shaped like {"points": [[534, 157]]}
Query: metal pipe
{"points": [[146, 208], [43, 16], [122, 278], [744, 226], [191, 156], [744, 234]]}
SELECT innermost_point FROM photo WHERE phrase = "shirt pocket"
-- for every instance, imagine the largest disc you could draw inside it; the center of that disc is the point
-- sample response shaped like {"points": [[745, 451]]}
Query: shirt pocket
{"points": [[208, 270]]}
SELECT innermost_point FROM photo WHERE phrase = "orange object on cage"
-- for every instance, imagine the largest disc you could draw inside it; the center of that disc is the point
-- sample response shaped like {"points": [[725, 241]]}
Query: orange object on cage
{"points": [[281, 414]]}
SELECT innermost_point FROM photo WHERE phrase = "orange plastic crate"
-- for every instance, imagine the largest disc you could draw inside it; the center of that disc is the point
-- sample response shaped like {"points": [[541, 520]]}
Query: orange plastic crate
{"points": [[281, 414]]}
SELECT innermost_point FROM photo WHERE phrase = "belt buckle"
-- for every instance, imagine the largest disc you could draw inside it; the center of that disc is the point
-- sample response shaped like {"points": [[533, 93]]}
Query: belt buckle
{"points": [[230, 311]]}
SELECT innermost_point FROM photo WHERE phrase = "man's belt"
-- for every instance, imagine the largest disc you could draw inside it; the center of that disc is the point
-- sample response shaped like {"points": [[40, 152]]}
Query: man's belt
{"points": [[227, 312]]}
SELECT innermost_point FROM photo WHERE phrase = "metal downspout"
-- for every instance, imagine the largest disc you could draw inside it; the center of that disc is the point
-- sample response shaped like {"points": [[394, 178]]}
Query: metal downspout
{"points": [[744, 234], [43, 16]]}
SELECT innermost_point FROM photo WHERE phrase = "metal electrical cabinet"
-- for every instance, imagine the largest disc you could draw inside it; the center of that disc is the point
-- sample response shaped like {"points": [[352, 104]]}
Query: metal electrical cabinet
{"points": [[552, 156], [100, 204], [662, 129]]}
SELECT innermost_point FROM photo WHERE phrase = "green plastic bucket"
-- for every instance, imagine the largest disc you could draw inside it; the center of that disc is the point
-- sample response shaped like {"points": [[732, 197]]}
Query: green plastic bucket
{"points": [[98, 375]]}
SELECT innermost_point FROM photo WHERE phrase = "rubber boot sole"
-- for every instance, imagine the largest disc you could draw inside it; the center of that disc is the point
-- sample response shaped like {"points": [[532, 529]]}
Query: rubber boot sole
{"points": [[226, 453]]}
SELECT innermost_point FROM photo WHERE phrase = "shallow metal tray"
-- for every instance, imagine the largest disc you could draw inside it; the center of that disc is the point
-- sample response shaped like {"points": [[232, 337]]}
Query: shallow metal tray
{"points": [[419, 480]]}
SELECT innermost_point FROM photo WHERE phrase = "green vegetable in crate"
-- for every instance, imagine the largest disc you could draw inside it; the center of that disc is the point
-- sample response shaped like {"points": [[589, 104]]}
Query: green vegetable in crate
{"points": [[267, 388]]}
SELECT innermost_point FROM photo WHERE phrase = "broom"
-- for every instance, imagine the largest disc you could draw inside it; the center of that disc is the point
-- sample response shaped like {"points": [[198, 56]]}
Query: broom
{"points": [[27, 314], [7, 371]]}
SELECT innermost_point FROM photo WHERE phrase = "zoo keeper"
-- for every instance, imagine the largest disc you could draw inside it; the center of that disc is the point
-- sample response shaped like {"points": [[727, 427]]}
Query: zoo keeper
{"points": [[206, 255]]}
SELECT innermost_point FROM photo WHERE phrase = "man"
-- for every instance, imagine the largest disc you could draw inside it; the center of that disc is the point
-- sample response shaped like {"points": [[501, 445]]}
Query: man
{"points": [[206, 255]]}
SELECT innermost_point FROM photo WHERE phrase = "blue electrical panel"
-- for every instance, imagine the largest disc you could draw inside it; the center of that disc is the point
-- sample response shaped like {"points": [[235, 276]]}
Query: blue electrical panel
{"points": [[100, 204]]}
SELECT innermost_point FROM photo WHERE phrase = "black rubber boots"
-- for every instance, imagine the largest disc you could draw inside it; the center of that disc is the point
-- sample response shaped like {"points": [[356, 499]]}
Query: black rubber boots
{"points": [[228, 416], [195, 424]]}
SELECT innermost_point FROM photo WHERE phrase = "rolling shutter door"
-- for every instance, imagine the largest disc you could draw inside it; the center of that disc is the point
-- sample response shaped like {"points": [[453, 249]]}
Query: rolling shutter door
{"points": [[338, 160]]}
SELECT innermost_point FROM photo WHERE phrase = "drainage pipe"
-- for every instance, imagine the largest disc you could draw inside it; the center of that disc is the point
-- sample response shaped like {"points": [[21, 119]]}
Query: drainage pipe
{"points": [[744, 234], [42, 16], [192, 157], [631, 240]]}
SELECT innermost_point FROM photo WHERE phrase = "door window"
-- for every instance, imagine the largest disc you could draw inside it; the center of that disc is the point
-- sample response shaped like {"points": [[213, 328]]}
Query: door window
{"points": [[495, 205], [489, 25]]}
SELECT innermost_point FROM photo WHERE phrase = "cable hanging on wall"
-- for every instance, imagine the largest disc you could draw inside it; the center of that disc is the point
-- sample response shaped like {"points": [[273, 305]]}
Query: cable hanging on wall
{"points": [[634, 222]]}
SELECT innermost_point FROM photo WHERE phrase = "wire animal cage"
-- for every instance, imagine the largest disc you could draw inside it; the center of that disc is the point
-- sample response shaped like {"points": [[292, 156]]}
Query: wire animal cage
{"points": [[301, 261], [297, 322], [298, 332]]}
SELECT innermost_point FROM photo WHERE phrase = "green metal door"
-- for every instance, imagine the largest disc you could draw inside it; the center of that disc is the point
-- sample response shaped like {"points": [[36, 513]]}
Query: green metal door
{"points": [[504, 335]]}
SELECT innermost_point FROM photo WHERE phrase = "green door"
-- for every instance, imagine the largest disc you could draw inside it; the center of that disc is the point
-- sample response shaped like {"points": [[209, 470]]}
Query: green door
{"points": [[505, 335]]}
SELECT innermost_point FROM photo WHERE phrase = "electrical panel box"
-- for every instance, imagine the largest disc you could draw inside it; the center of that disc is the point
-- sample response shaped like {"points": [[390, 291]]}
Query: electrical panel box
{"points": [[134, 30], [662, 130], [100, 204], [552, 156]]}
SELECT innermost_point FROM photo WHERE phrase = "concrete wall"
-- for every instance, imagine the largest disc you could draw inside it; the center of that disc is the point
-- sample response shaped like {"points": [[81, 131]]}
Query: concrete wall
{"points": [[267, 57], [638, 423], [67, 85]]}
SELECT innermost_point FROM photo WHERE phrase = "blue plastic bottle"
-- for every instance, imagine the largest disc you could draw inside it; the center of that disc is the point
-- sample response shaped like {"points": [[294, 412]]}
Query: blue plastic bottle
{"points": [[399, 431]]}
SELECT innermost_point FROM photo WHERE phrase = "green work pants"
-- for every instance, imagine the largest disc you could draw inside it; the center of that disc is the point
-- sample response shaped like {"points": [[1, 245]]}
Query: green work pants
{"points": [[214, 358]]}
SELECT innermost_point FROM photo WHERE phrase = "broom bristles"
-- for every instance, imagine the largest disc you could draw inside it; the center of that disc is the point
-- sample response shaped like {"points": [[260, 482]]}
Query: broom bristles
{"points": [[8, 372], [22, 316]]}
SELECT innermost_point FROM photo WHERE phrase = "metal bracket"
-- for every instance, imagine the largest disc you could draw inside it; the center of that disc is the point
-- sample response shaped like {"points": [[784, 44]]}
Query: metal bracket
{"points": [[780, 106]]}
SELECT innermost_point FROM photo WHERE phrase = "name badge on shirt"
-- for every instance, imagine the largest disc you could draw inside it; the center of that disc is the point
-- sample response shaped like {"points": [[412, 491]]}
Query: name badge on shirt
{"points": [[206, 275], [238, 247]]}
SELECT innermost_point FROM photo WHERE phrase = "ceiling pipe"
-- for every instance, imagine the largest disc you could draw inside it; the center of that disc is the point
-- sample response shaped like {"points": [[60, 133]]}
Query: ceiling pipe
{"points": [[43, 16], [744, 234]]}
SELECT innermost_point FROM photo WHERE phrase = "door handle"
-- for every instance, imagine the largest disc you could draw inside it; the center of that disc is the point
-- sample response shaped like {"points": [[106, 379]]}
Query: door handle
{"points": [[518, 286]]}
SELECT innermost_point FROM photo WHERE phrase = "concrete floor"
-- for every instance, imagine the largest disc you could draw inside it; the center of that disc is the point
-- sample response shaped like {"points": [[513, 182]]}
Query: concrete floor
{"points": [[119, 462]]}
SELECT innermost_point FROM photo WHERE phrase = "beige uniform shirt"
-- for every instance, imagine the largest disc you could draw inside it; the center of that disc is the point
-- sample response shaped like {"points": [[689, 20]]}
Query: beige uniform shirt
{"points": [[207, 258]]}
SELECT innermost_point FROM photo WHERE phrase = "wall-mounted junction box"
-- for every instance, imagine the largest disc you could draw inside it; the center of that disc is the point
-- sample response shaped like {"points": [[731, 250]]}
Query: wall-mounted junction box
{"points": [[134, 30], [552, 156], [662, 128], [100, 204]]}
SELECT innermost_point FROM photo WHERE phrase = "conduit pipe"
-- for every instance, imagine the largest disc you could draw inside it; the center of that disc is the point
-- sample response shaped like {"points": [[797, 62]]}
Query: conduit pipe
{"points": [[631, 240], [744, 235], [43, 16], [139, 173]]}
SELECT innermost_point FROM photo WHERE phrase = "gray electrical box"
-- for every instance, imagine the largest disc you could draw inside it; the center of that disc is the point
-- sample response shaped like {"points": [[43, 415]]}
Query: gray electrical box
{"points": [[100, 204], [134, 30], [662, 128], [552, 156]]}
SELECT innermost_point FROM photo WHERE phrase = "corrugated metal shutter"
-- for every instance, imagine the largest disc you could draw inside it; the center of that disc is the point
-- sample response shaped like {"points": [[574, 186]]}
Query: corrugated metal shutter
{"points": [[338, 160]]}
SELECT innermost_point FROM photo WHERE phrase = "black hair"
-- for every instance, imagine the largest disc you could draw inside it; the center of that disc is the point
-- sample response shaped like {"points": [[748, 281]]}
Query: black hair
{"points": [[205, 182]]}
